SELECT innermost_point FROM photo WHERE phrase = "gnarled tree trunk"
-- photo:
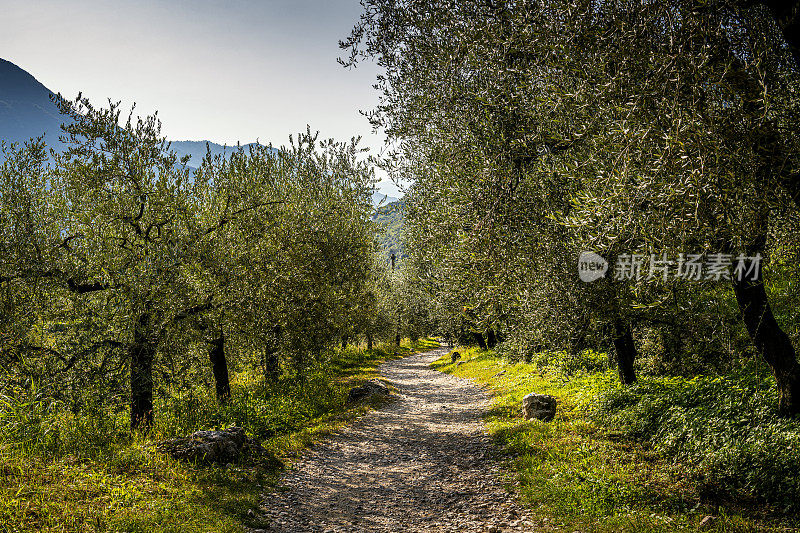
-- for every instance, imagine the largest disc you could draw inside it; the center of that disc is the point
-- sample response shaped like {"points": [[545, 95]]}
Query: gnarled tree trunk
{"points": [[491, 339], [625, 350], [272, 362], [478, 337], [770, 340], [142, 352], [219, 366]]}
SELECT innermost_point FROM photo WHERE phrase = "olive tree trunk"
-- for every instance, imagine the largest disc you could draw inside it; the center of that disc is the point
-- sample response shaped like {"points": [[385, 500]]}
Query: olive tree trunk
{"points": [[770, 341], [142, 353], [272, 362], [491, 339], [625, 350], [219, 366], [479, 340]]}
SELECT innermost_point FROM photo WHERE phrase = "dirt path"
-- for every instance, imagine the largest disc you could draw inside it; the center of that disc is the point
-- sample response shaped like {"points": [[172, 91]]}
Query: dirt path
{"points": [[420, 463]]}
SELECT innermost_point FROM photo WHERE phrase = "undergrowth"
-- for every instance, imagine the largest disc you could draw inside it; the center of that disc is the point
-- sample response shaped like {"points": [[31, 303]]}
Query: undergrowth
{"points": [[658, 456], [725, 430], [84, 471]]}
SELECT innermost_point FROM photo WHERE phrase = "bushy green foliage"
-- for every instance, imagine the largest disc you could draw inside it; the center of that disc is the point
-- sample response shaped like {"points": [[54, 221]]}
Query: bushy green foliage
{"points": [[569, 364], [33, 422], [390, 221], [263, 410], [67, 471], [724, 430], [123, 270], [658, 456], [534, 132]]}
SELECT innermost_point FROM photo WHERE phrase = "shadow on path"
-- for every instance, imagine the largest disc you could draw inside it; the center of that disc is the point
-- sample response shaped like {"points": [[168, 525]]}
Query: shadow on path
{"points": [[421, 463]]}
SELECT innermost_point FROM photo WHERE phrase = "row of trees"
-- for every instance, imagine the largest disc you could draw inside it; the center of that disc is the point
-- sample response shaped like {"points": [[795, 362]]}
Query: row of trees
{"points": [[123, 270], [536, 130]]}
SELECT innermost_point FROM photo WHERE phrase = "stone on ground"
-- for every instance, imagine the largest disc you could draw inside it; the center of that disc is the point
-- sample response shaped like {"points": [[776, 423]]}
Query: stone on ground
{"points": [[218, 446], [707, 522], [371, 388], [538, 406]]}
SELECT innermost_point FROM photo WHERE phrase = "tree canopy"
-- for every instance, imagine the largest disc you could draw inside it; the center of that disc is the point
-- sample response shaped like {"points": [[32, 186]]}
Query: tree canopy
{"points": [[533, 131]]}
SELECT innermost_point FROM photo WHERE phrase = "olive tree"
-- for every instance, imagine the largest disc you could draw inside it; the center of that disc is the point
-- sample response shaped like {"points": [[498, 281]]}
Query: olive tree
{"points": [[627, 124], [119, 258]]}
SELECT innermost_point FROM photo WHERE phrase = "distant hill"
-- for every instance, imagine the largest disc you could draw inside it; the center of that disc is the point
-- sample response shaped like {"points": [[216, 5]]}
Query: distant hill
{"points": [[381, 199], [390, 221], [25, 107], [197, 150], [26, 111]]}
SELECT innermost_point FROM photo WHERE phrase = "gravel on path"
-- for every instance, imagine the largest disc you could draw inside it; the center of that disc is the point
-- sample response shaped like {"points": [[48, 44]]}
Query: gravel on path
{"points": [[420, 463]]}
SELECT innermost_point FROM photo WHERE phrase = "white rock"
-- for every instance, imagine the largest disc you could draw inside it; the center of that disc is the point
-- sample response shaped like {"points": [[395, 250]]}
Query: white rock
{"points": [[539, 406]]}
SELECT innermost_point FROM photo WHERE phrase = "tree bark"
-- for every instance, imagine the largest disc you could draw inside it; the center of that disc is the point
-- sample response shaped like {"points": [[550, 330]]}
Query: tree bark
{"points": [[479, 339], [272, 361], [369, 341], [770, 341], [219, 367], [142, 352], [625, 350], [491, 339]]}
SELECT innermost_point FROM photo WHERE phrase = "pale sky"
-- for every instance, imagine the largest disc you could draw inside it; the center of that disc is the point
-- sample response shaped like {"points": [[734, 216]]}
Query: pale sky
{"points": [[237, 70]]}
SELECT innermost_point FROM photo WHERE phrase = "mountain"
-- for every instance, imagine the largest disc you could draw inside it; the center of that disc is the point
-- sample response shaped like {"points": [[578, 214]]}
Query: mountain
{"points": [[25, 107], [381, 199], [197, 150], [390, 220], [26, 111]]}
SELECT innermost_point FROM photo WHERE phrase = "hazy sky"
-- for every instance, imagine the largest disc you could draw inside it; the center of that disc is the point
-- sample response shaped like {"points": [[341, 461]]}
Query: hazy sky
{"points": [[237, 70]]}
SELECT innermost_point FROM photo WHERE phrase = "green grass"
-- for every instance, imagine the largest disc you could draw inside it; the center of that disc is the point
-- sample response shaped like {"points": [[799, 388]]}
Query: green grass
{"points": [[65, 472], [581, 473], [725, 430]]}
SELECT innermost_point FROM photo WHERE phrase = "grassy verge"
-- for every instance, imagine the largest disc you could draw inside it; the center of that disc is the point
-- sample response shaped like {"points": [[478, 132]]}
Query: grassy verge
{"points": [[588, 472], [74, 473]]}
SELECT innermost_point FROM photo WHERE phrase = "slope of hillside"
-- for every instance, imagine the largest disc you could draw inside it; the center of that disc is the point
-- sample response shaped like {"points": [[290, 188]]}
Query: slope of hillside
{"points": [[389, 218], [197, 150], [26, 112], [380, 199], [25, 107]]}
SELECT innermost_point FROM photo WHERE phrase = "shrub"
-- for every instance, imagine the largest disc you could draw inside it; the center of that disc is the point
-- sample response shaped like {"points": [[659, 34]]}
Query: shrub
{"points": [[570, 364], [725, 430]]}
